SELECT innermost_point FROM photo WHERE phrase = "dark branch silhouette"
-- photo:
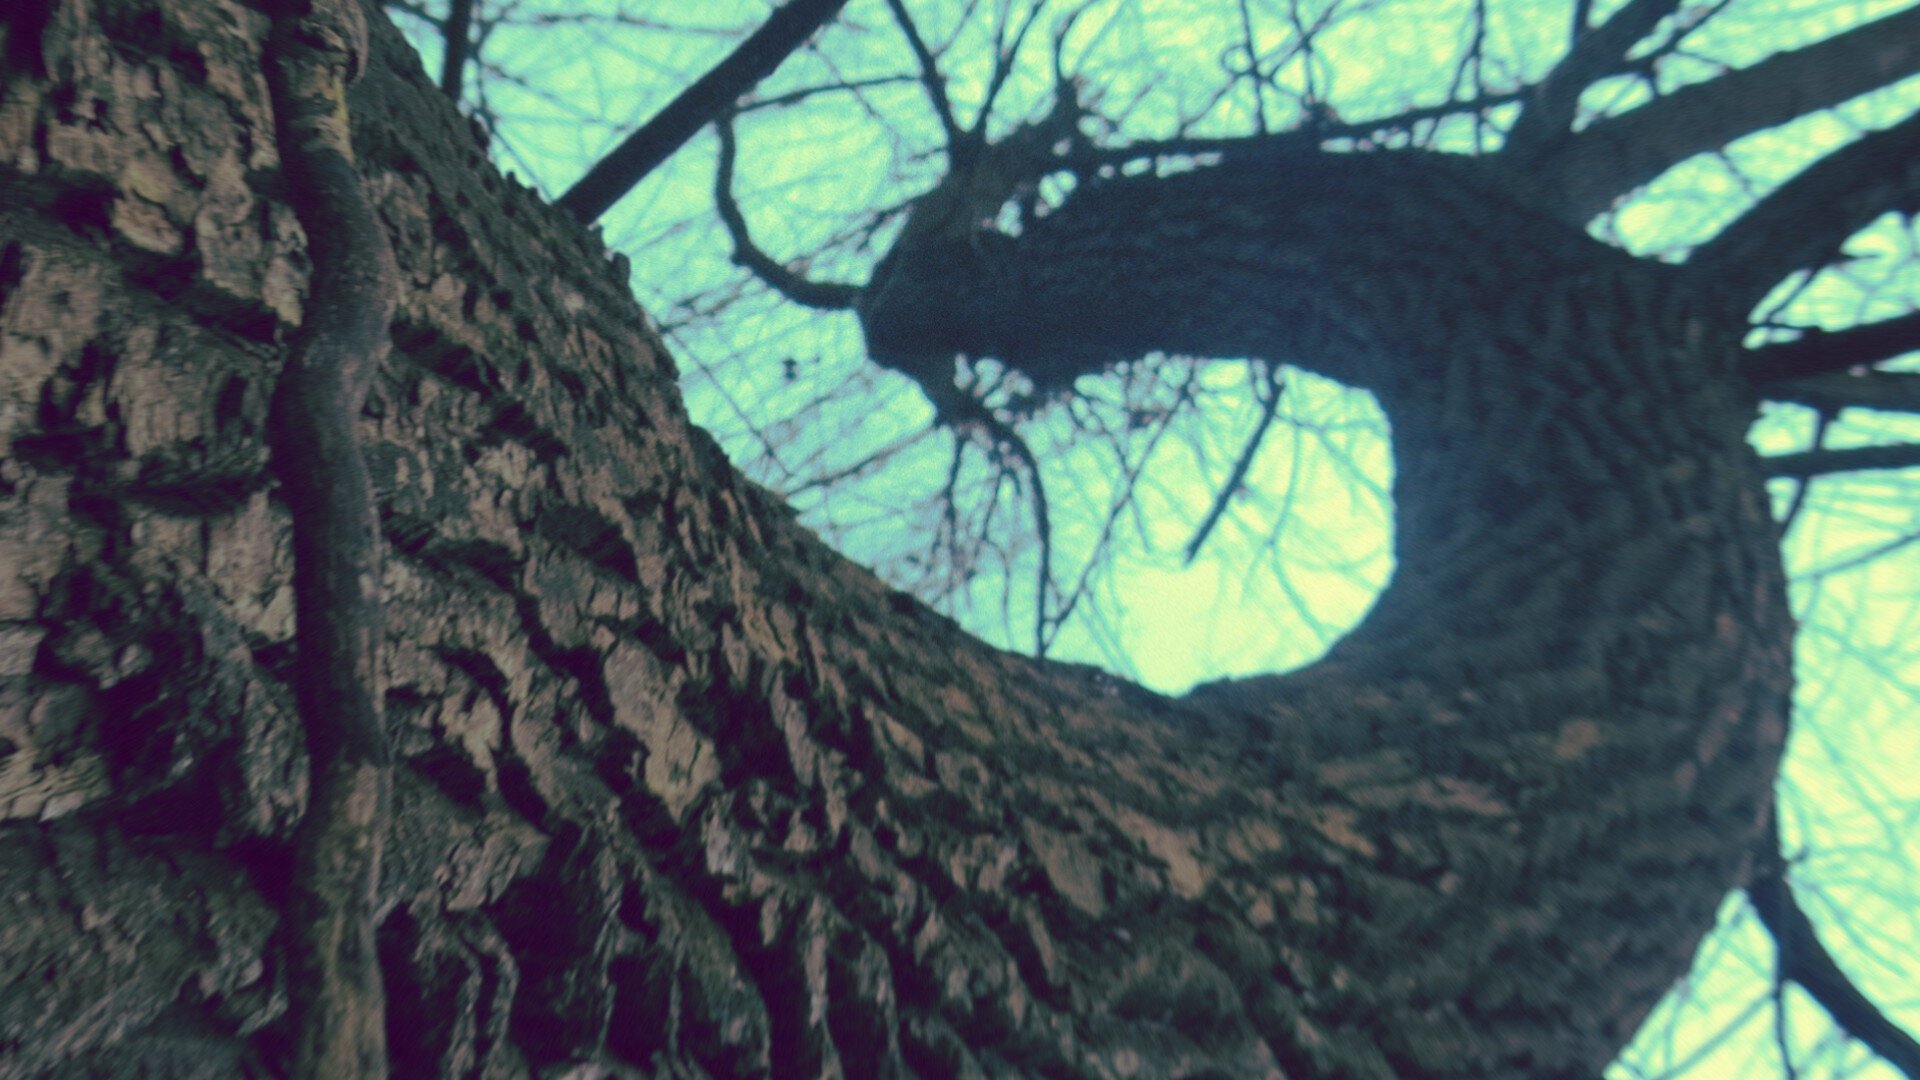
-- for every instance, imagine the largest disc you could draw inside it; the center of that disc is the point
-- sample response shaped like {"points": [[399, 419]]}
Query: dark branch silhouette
{"points": [[1237, 475], [1809, 463], [1893, 391], [1614, 156], [1802, 223], [1549, 113], [697, 106], [1804, 960], [1824, 352], [457, 33]]}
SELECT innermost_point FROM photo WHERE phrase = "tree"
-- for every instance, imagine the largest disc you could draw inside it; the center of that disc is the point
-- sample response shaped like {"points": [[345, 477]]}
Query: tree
{"points": [[676, 789]]}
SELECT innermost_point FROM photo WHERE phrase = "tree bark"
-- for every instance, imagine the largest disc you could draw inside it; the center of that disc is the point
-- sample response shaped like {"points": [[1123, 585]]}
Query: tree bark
{"points": [[679, 791]]}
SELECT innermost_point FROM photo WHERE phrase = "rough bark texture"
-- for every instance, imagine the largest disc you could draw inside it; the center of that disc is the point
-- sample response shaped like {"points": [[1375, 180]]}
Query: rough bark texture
{"points": [[680, 792]]}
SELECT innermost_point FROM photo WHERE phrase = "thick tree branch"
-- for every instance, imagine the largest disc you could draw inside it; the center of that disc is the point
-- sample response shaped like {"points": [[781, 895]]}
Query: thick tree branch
{"points": [[457, 33], [1614, 156], [1825, 352], [710, 96], [827, 296], [1548, 116], [1806, 961], [336, 997], [1892, 391], [1810, 463], [1805, 220]]}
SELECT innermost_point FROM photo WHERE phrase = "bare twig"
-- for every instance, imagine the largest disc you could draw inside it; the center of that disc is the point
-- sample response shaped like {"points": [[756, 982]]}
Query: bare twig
{"points": [[1806, 961], [1821, 352], [930, 77], [1269, 408], [962, 410], [1800, 488], [829, 296], [1005, 54]]}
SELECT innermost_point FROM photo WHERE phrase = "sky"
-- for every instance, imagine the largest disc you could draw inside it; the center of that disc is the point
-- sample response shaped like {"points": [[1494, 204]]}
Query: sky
{"points": [[1304, 547]]}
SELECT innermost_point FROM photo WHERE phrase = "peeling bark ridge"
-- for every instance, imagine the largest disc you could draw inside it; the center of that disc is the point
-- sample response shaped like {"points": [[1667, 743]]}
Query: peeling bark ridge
{"points": [[337, 1000]]}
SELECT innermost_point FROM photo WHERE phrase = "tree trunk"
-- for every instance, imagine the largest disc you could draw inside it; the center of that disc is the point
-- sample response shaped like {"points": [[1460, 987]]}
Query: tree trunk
{"points": [[681, 792]]}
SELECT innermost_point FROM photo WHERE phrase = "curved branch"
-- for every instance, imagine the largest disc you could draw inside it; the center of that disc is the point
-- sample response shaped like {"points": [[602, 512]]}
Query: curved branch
{"points": [[1805, 220], [1806, 961], [1613, 156], [1824, 352], [698, 105], [1548, 117], [827, 295]]}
